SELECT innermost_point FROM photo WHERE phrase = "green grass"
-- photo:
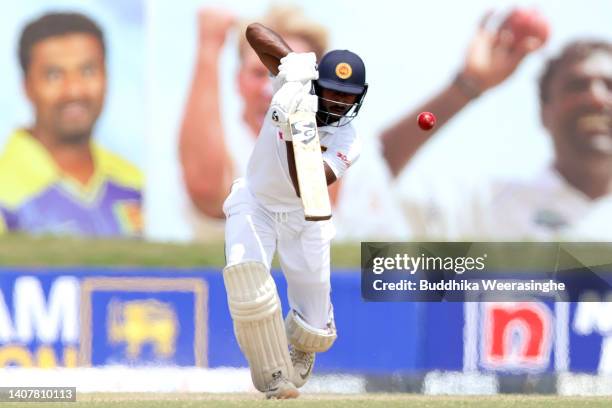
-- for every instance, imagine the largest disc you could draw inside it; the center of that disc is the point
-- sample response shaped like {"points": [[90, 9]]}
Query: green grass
{"points": [[335, 401], [16, 250]]}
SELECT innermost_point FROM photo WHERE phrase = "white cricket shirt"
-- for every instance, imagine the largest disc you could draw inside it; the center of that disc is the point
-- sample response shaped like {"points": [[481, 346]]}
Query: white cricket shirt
{"points": [[268, 170], [545, 208]]}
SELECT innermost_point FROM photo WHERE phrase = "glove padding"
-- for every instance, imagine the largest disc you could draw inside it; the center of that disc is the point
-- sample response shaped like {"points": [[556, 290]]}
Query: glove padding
{"points": [[291, 97], [296, 67], [300, 67]]}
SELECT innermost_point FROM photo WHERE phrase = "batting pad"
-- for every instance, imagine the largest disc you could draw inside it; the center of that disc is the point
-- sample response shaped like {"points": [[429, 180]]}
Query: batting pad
{"points": [[258, 323], [307, 338]]}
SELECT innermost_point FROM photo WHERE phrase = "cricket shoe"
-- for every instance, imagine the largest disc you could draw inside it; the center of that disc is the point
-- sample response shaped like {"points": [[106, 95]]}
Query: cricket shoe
{"points": [[281, 388], [302, 365]]}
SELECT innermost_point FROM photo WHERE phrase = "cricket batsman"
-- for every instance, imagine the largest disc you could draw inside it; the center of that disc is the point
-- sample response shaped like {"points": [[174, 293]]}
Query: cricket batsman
{"points": [[264, 214]]}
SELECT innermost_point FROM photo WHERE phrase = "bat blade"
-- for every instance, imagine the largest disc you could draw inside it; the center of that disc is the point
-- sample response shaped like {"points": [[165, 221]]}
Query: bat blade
{"points": [[309, 166]]}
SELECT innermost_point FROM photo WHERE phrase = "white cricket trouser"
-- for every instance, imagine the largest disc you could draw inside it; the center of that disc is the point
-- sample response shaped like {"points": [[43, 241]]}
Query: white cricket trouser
{"points": [[253, 233]]}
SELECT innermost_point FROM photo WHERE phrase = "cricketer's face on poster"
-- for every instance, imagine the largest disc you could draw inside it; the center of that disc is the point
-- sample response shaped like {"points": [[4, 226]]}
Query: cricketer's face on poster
{"points": [[66, 84]]}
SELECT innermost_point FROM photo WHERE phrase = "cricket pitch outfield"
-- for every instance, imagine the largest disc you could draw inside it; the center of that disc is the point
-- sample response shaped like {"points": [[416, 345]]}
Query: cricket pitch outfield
{"points": [[178, 400]]}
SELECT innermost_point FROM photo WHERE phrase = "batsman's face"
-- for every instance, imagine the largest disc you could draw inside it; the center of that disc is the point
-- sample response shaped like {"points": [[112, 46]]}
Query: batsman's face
{"points": [[579, 113], [338, 103], [66, 84]]}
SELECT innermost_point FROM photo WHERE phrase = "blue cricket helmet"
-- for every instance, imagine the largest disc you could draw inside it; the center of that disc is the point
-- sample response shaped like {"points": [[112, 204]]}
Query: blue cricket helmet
{"points": [[341, 71]]}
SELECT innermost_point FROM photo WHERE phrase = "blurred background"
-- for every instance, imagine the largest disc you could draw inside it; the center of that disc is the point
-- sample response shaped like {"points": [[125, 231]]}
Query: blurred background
{"points": [[76, 293]]}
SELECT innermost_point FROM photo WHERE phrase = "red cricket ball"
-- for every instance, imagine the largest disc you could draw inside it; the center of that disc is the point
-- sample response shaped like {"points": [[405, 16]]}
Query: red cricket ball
{"points": [[525, 22], [426, 120]]}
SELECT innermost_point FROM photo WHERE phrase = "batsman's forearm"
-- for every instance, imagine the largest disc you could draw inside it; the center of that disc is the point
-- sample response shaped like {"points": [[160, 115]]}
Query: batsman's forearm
{"points": [[402, 140], [207, 168], [268, 45], [330, 176], [292, 167]]}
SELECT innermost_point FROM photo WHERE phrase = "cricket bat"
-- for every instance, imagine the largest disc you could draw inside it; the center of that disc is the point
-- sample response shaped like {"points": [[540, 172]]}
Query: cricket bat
{"points": [[309, 166]]}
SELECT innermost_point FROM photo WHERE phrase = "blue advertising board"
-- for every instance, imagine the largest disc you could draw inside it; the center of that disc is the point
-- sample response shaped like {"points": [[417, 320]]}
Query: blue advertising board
{"points": [[101, 316], [179, 317]]}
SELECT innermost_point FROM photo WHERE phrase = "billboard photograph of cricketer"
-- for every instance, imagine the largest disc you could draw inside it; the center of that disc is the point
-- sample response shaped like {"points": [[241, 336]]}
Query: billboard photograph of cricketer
{"points": [[72, 123], [162, 121], [473, 175]]}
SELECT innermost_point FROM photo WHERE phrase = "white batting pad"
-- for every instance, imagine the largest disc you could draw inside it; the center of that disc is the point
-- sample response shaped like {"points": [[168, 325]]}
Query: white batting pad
{"points": [[258, 322], [307, 338]]}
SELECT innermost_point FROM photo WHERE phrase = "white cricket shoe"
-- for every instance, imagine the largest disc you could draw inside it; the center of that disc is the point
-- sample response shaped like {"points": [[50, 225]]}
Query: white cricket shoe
{"points": [[302, 365], [281, 388]]}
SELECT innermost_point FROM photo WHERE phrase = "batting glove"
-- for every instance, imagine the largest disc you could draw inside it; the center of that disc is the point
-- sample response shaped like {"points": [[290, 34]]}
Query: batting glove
{"points": [[300, 67], [308, 103], [291, 97], [278, 81]]}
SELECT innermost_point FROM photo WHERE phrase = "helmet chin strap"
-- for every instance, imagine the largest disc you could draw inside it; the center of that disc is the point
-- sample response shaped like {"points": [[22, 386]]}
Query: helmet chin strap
{"points": [[334, 119]]}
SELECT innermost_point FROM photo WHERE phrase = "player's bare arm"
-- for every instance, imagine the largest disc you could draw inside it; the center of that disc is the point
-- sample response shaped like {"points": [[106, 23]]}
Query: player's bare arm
{"points": [[206, 164], [329, 174], [268, 45], [403, 139], [491, 58]]}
